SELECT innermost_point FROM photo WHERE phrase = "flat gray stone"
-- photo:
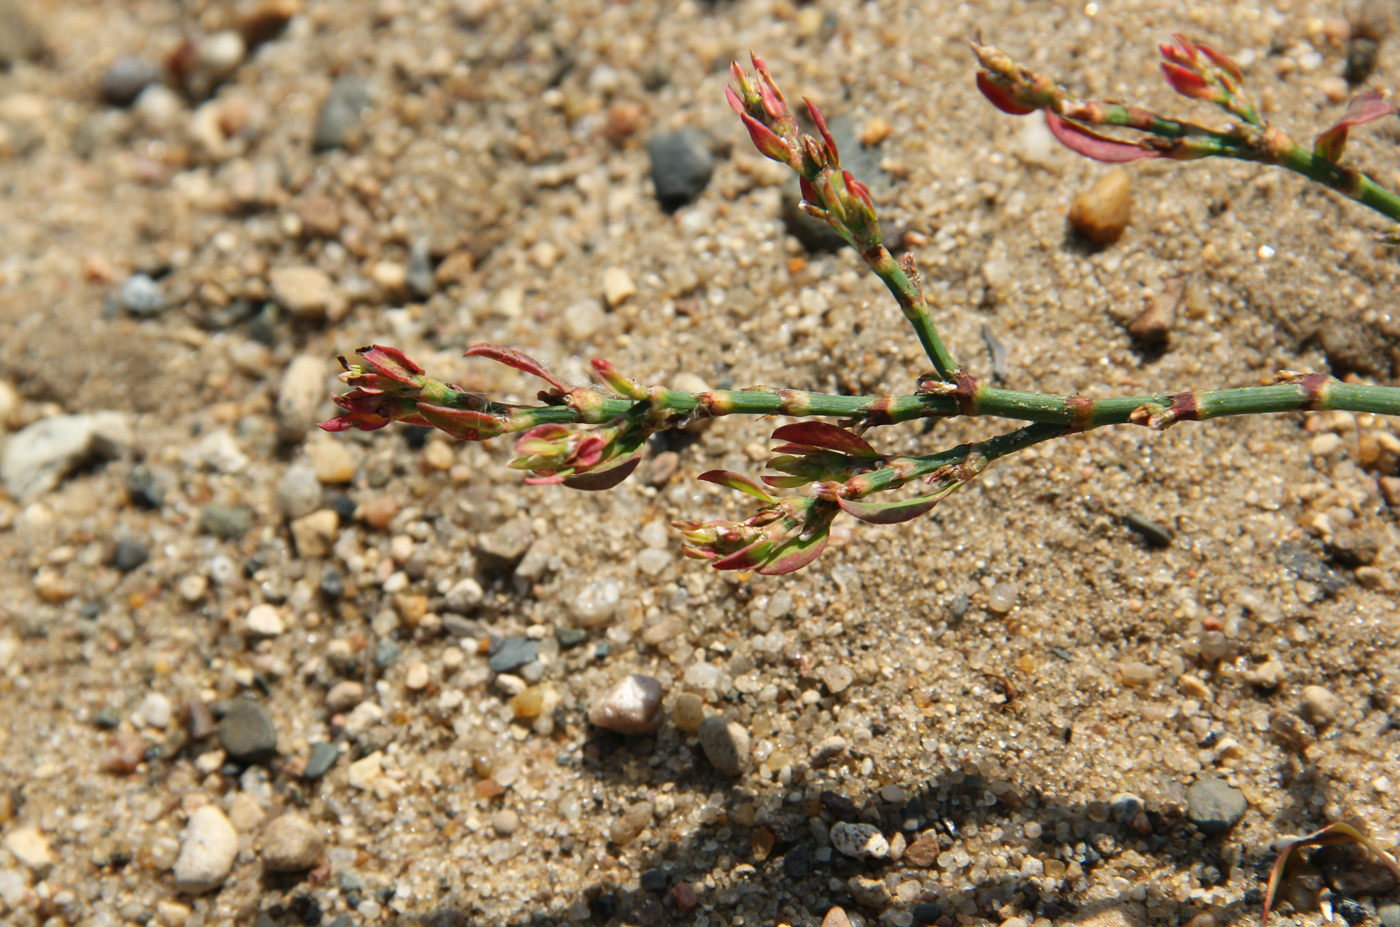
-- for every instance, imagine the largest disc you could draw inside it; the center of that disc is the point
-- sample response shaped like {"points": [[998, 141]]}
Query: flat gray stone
{"points": [[38, 457], [1214, 806]]}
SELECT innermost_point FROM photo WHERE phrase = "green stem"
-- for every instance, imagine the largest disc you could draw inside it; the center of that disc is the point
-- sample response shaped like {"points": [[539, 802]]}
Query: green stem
{"points": [[1349, 183], [911, 301]]}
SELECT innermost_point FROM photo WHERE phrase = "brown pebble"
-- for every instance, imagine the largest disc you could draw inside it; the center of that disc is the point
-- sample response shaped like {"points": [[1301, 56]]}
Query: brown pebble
{"points": [[923, 851], [379, 511], [527, 705], [1153, 325], [1101, 213], [320, 217], [684, 897], [875, 132], [455, 268]]}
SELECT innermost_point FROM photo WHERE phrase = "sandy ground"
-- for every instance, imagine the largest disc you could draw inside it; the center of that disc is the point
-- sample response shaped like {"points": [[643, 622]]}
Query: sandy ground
{"points": [[1026, 690]]}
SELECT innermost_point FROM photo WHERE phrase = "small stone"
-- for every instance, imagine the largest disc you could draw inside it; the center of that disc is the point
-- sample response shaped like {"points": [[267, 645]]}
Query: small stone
{"points": [[263, 621], [836, 916], [924, 850], [1125, 806], [726, 745], [508, 542], [1214, 806], [1152, 327], [1102, 212], [689, 712], [617, 287], [332, 461], [142, 296], [654, 881], [1150, 531], [208, 848], [38, 457], [629, 826], [464, 597], [155, 711], [513, 653], [338, 119], [583, 319], [862, 841], [505, 822], [569, 638], [298, 492], [364, 772], [527, 704], [345, 695], [597, 602], [837, 677], [1389, 914], [300, 393], [1319, 707], [30, 847], [304, 291], [247, 733], [1353, 548], [314, 535], [129, 554], [1002, 598], [828, 750], [226, 521], [631, 706], [681, 165], [684, 897], [291, 843], [323, 757]]}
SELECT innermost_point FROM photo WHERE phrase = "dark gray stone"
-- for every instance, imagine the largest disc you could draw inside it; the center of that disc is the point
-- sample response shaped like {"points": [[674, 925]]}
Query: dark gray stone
{"points": [[339, 117], [125, 78], [654, 881], [1309, 566], [385, 653], [323, 757], [570, 637], [681, 165], [513, 653], [143, 488], [1154, 534], [226, 521], [247, 733], [129, 555], [1214, 806]]}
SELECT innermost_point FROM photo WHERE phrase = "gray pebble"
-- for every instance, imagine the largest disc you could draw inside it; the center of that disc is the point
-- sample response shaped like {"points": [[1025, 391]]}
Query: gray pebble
{"points": [[385, 653], [1125, 806], [420, 280], [143, 488], [1389, 914], [681, 165], [630, 706], [38, 456], [125, 78], [129, 554], [300, 395], [1214, 806], [298, 492], [142, 296], [323, 757], [291, 843], [861, 841], [508, 542], [828, 750], [1153, 534], [208, 848], [248, 734], [226, 521], [339, 116], [654, 881], [570, 637], [513, 653], [726, 744]]}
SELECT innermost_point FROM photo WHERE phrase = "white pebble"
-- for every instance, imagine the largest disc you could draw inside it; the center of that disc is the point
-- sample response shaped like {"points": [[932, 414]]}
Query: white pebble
{"points": [[207, 852], [31, 848], [863, 841], [632, 706], [597, 602], [154, 710], [263, 621]]}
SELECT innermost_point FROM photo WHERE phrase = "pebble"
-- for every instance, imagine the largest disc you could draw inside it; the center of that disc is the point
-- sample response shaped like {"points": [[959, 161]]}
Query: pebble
{"points": [[38, 457], [247, 733], [1151, 532], [208, 848], [631, 706], [1319, 707], [30, 848], [1151, 327], [681, 165], [1214, 805], [505, 822], [298, 492], [20, 40], [322, 758], [338, 120], [155, 711], [263, 621], [597, 602], [1102, 212], [508, 542], [617, 287], [726, 745], [828, 750], [291, 843], [582, 320], [364, 772], [332, 461], [364, 716], [225, 521], [299, 395], [344, 696], [513, 653], [689, 712], [654, 881], [836, 917], [862, 841], [1389, 914], [1125, 806], [142, 296], [684, 897], [303, 291], [837, 677], [464, 596], [924, 850], [416, 679], [314, 535], [129, 554], [1002, 598], [629, 826], [420, 278]]}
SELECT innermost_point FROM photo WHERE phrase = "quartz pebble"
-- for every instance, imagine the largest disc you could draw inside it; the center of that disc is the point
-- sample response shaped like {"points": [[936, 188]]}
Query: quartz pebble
{"points": [[314, 535], [862, 841], [291, 843], [1002, 598], [631, 706], [263, 621], [303, 291], [630, 824], [1101, 213], [828, 750], [726, 745], [1319, 707], [30, 847], [155, 711], [207, 851], [688, 712], [838, 677]]}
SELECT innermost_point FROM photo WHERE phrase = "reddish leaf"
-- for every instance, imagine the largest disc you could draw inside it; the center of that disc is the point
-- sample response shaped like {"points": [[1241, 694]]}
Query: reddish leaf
{"points": [[1091, 144], [1364, 108], [827, 437], [734, 102], [463, 424], [746, 558], [795, 554], [766, 141], [517, 359], [820, 121], [890, 513], [392, 363], [737, 481], [1221, 61], [595, 480], [1000, 97], [1187, 82]]}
